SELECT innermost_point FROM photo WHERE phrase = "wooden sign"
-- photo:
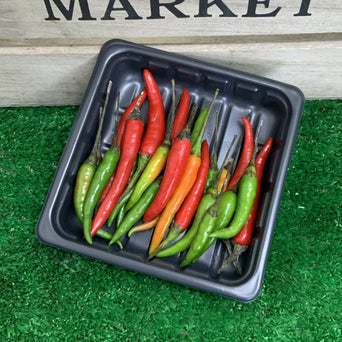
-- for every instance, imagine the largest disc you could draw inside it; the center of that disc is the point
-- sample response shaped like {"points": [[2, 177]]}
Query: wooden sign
{"points": [[49, 47]]}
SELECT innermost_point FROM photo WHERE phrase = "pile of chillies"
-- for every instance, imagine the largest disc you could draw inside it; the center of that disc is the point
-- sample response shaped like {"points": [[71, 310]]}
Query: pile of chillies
{"points": [[161, 173]]}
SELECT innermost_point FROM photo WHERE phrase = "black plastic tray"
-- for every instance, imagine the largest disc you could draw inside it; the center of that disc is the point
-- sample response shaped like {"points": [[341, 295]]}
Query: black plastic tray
{"points": [[279, 105]]}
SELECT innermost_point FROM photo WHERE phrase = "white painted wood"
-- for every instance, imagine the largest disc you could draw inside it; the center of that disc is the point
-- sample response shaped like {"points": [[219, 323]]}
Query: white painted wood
{"points": [[48, 76], [49, 62], [27, 20], [58, 75]]}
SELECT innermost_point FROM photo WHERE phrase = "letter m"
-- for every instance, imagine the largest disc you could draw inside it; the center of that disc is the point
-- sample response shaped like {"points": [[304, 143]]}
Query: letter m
{"points": [[68, 12]]}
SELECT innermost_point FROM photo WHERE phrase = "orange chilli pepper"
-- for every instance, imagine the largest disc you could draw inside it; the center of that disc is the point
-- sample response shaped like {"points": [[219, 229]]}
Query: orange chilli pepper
{"points": [[182, 189]]}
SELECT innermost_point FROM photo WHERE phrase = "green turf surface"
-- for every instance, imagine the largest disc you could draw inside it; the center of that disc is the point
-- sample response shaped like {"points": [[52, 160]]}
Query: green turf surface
{"points": [[52, 295]]}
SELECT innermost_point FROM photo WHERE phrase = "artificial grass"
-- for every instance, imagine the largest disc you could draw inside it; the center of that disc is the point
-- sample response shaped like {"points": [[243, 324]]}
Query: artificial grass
{"points": [[52, 295]]}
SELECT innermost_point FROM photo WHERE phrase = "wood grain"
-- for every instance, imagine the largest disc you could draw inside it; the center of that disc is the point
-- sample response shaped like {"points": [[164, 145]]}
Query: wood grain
{"points": [[59, 75], [49, 62], [27, 20]]}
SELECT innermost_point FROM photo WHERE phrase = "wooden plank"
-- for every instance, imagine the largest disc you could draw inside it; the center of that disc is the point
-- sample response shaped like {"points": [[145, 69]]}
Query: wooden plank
{"points": [[151, 22], [44, 76], [58, 75], [48, 47]]}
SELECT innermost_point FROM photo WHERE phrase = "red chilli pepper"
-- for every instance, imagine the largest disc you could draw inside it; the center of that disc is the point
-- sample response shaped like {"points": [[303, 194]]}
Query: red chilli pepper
{"points": [[129, 110], [153, 136], [157, 162], [174, 169], [182, 114], [155, 127], [246, 154], [190, 204], [120, 131], [187, 181], [175, 166], [131, 141], [187, 211], [244, 237], [106, 188]]}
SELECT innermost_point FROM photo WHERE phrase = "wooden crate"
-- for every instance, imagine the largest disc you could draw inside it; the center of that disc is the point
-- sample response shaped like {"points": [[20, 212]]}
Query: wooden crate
{"points": [[49, 47]]}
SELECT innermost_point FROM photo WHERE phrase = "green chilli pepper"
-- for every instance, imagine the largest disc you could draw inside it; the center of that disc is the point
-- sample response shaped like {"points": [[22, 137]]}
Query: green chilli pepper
{"points": [[210, 179], [137, 211], [107, 236], [121, 215], [84, 177], [120, 206], [213, 169], [100, 179], [226, 209], [245, 199], [87, 170], [225, 212], [206, 226], [104, 234], [198, 124]]}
